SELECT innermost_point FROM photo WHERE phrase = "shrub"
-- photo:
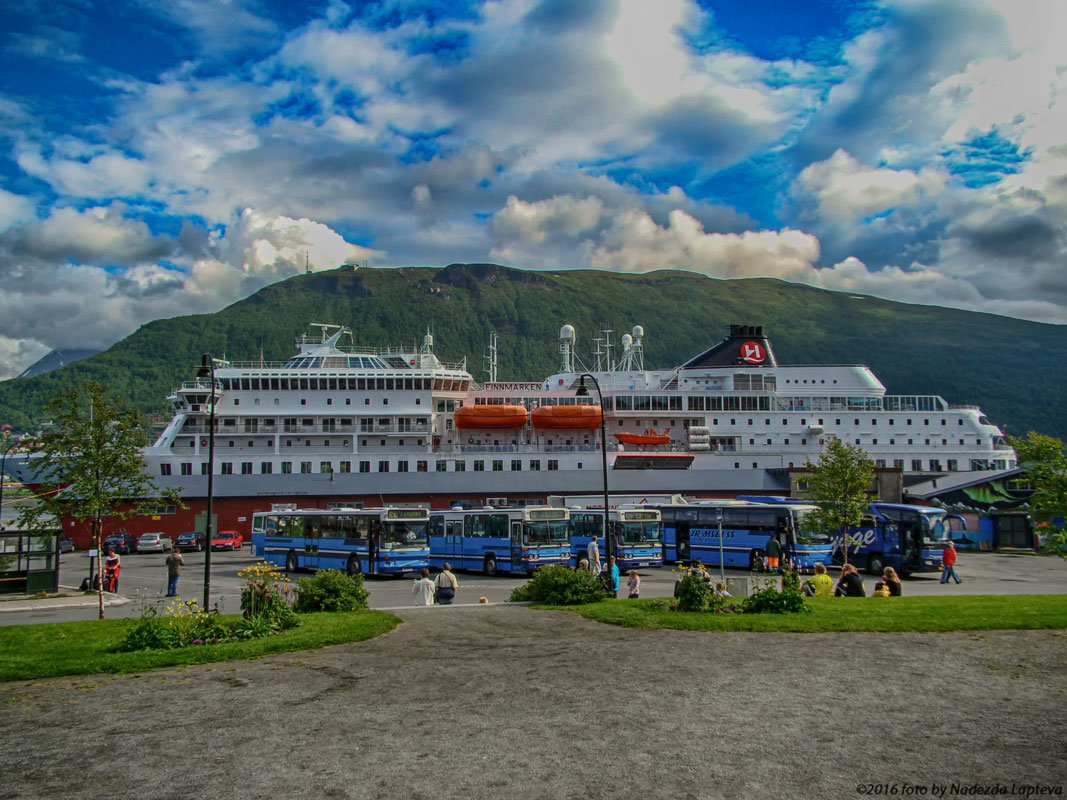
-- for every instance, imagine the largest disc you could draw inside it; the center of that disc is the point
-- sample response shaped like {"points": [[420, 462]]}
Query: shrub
{"points": [[694, 594], [558, 585], [770, 601], [331, 590], [266, 593], [150, 633]]}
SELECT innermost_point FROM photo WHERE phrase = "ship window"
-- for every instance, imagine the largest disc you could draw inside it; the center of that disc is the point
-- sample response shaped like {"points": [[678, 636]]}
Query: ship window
{"points": [[553, 465], [383, 466], [623, 403], [164, 469], [535, 465], [952, 465], [287, 467], [364, 466], [187, 468], [459, 466], [305, 467], [916, 465], [441, 466], [227, 468], [420, 466], [203, 468], [266, 468], [516, 465], [244, 384]]}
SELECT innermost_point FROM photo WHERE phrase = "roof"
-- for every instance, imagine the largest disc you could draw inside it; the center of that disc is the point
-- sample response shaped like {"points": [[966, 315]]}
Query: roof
{"points": [[958, 480]]}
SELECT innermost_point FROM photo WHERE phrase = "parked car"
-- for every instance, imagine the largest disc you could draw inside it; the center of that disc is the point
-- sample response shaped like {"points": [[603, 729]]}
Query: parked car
{"points": [[154, 543], [122, 542], [191, 540], [66, 544], [227, 540]]}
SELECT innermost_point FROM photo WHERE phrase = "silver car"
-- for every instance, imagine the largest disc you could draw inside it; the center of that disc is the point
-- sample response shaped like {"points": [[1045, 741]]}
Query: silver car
{"points": [[154, 543]]}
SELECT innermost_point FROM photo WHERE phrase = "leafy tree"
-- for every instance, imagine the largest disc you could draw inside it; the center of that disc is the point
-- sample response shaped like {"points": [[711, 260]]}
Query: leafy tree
{"points": [[838, 484], [1046, 467], [91, 464]]}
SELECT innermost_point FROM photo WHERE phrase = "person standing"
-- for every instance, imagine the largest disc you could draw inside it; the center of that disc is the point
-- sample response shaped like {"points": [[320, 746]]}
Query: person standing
{"points": [[592, 553], [634, 585], [774, 554], [174, 570], [445, 585], [423, 589], [112, 567], [948, 562], [613, 576]]}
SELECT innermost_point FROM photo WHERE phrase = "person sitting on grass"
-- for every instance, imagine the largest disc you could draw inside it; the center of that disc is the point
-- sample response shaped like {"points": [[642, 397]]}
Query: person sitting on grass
{"points": [[820, 584], [850, 584], [889, 584]]}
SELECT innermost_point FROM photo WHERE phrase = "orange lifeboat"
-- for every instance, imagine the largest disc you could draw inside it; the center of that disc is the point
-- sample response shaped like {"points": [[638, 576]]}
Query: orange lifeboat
{"points": [[566, 417], [492, 416], [648, 437]]}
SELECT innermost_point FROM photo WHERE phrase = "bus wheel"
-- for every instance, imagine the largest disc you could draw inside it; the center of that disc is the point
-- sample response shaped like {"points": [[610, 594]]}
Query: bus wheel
{"points": [[290, 562], [353, 566], [755, 561], [490, 566], [875, 564]]}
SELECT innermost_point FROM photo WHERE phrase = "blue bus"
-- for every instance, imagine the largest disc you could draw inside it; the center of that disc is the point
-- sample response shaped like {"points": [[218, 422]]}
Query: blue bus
{"points": [[908, 538], [692, 531], [495, 540], [374, 541], [635, 535]]}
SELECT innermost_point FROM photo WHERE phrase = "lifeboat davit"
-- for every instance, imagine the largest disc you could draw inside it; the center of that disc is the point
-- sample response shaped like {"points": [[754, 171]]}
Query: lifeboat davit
{"points": [[648, 437], [566, 417], [505, 416]]}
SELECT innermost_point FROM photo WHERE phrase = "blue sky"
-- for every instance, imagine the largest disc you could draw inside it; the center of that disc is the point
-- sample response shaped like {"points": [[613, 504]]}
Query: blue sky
{"points": [[159, 159]]}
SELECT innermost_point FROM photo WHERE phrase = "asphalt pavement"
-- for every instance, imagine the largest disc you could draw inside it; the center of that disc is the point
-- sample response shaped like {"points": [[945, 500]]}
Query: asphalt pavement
{"points": [[143, 583]]}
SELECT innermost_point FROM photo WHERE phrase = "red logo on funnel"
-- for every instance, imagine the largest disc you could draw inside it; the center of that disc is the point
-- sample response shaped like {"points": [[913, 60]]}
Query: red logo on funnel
{"points": [[753, 353]]}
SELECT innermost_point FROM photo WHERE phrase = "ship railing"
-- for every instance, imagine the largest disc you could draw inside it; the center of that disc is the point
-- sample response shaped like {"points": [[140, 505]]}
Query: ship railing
{"points": [[200, 385], [278, 365], [346, 430]]}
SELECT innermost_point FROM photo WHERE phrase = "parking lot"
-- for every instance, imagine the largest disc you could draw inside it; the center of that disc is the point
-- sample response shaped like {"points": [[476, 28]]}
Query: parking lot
{"points": [[144, 575]]}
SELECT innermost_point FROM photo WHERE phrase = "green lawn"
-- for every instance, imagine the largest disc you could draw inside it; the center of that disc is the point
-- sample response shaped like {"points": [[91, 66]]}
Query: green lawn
{"points": [[79, 648], [967, 613]]}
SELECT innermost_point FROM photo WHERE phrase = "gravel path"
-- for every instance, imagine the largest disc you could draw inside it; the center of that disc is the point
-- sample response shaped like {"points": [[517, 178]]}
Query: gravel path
{"points": [[504, 701]]}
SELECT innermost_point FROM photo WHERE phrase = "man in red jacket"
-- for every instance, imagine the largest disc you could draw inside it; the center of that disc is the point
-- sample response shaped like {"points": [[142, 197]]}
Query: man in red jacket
{"points": [[948, 561]]}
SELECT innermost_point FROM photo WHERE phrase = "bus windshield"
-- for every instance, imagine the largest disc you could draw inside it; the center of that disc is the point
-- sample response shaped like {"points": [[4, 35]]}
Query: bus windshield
{"points": [[805, 535], [935, 527], [403, 534], [544, 532], [637, 532]]}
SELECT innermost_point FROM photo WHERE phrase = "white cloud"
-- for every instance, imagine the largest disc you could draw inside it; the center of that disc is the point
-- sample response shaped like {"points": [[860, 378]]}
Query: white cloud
{"points": [[845, 190], [14, 209], [100, 234]]}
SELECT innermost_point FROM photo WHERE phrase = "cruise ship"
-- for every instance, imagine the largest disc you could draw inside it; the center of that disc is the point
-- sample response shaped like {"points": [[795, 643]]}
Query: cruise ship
{"points": [[339, 425]]}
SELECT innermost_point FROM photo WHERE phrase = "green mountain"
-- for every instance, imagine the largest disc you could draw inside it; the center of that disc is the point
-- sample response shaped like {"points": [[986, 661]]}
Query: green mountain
{"points": [[979, 359]]}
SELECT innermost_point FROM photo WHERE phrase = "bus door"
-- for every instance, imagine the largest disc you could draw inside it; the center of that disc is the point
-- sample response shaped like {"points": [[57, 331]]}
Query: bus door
{"points": [[312, 536], [681, 537], [452, 546], [911, 544], [517, 564]]}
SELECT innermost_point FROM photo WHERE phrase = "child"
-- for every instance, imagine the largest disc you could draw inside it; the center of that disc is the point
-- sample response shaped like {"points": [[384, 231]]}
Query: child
{"points": [[634, 584], [720, 590]]}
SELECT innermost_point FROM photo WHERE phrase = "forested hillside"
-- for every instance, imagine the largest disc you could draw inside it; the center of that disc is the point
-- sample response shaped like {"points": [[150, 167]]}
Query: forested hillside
{"points": [[1013, 369]]}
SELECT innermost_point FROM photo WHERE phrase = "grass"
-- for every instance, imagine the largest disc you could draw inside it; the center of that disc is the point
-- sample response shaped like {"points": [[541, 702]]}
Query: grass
{"points": [[834, 614], [80, 648]]}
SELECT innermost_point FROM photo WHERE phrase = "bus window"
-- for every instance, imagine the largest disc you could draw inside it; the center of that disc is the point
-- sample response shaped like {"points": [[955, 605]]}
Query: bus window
{"points": [[313, 527], [498, 526], [764, 520]]}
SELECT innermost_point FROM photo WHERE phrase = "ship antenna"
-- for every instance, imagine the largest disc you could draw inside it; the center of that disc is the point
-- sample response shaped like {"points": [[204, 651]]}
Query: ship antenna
{"points": [[307, 263], [492, 357]]}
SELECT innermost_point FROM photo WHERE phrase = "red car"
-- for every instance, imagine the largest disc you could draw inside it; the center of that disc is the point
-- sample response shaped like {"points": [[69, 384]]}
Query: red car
{"points": [[227, 540]]}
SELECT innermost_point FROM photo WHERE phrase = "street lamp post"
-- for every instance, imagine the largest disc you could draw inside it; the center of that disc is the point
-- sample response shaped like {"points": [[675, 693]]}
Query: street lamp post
{"points": [[584, 392], [208, 367], [3, 479]]}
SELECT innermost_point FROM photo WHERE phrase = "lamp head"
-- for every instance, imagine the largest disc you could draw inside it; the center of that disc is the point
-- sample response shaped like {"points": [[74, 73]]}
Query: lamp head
{"points": [[583, 390]]}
